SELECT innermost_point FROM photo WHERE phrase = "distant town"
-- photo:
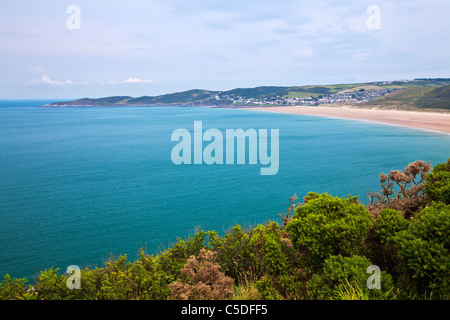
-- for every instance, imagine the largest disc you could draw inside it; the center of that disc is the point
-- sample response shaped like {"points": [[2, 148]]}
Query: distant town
{"points": [[359, 96], [428, 93]]}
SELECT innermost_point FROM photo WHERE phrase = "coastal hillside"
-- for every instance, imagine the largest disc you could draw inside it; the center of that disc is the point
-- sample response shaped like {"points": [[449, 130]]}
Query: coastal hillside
{"points": [[415, 98], [418, 93]]}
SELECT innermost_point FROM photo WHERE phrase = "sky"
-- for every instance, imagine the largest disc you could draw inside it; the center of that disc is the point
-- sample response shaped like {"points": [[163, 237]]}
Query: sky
{"points": [[57, 49]]}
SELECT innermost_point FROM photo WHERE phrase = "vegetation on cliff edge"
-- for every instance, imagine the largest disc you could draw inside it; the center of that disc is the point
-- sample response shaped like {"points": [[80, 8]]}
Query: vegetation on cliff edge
{"points": [[321, 250]]}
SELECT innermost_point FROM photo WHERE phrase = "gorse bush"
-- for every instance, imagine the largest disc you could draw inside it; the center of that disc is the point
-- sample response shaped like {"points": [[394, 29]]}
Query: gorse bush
{"points": [[279, 262], [172, 261], [437, 185], [388, 224], [234, 253], [326, 225], [321, 250], [262, 255], [416, 250], [423, 251], [118, 279], [402, 191], [12, 289], [339, 271], [201, 279]]}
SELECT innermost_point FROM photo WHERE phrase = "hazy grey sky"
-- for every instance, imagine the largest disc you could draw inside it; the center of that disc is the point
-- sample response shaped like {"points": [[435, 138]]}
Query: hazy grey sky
{"points": [[160, 46]]}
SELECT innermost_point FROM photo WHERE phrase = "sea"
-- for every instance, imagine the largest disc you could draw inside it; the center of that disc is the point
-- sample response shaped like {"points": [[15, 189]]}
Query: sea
{"points": [[78, 185]]}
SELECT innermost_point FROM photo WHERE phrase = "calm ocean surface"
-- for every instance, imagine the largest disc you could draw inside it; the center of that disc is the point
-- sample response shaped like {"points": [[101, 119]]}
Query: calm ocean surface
{"points": [[77, 184]]}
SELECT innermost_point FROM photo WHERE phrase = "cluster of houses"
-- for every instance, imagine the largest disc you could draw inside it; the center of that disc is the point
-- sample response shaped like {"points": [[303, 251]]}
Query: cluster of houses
{"points": [[344, 97], [355, 97]]}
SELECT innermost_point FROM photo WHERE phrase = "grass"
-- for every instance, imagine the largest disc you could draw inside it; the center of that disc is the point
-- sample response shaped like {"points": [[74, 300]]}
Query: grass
{"points": [[355, 291], [365, 87], [246, 291]]}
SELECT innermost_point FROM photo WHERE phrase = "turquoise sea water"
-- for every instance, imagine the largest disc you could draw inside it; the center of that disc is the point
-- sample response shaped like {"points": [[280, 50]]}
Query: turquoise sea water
{"points": [[77, 184]]}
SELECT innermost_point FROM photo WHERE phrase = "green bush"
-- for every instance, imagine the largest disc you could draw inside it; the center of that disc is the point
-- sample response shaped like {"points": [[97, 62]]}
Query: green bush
{"points": [[283, 287], [437, 185], [326, 226], [234, 254], [51, 286], [423, 250], [118, 279], [262, 255], [388, 224], [171, 261], [152, 282], [433, 224], [381, 248], [269, 250], [284, 278], [267, 289], [259, 251], [13, 289], [339, 271]]}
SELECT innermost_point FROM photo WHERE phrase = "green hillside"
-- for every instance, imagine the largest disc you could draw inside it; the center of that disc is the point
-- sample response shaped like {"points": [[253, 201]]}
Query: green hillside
{"points": [[435, 98], [415, 98], [408, 94], [191, 96]]}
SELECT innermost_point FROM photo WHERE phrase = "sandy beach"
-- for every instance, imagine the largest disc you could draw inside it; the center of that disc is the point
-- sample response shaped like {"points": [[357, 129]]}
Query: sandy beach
{"points": [[416, 119]]}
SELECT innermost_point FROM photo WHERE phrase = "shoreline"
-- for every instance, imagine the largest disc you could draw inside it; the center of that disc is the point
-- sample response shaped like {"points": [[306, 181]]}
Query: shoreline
{"points": [[429, 121]]}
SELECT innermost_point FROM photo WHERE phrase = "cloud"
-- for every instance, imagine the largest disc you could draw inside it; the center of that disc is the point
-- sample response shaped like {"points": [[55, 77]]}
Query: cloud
{"points": [[136, 80], [130, 80], [47, 80], [38, 75]]}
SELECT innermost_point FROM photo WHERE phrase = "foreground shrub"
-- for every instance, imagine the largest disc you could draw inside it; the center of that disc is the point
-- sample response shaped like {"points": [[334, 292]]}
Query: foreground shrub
{"points": [[437, 185], [283, 274], [171, 261], [409, 195], [344, 278], [381, 248], [51, 286], [423, 250], [270, 251], [14, 289], [284, 287], [201, 279], [262, 256], [324, 226], [388, 224], [118, 279], [234, 254]]}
